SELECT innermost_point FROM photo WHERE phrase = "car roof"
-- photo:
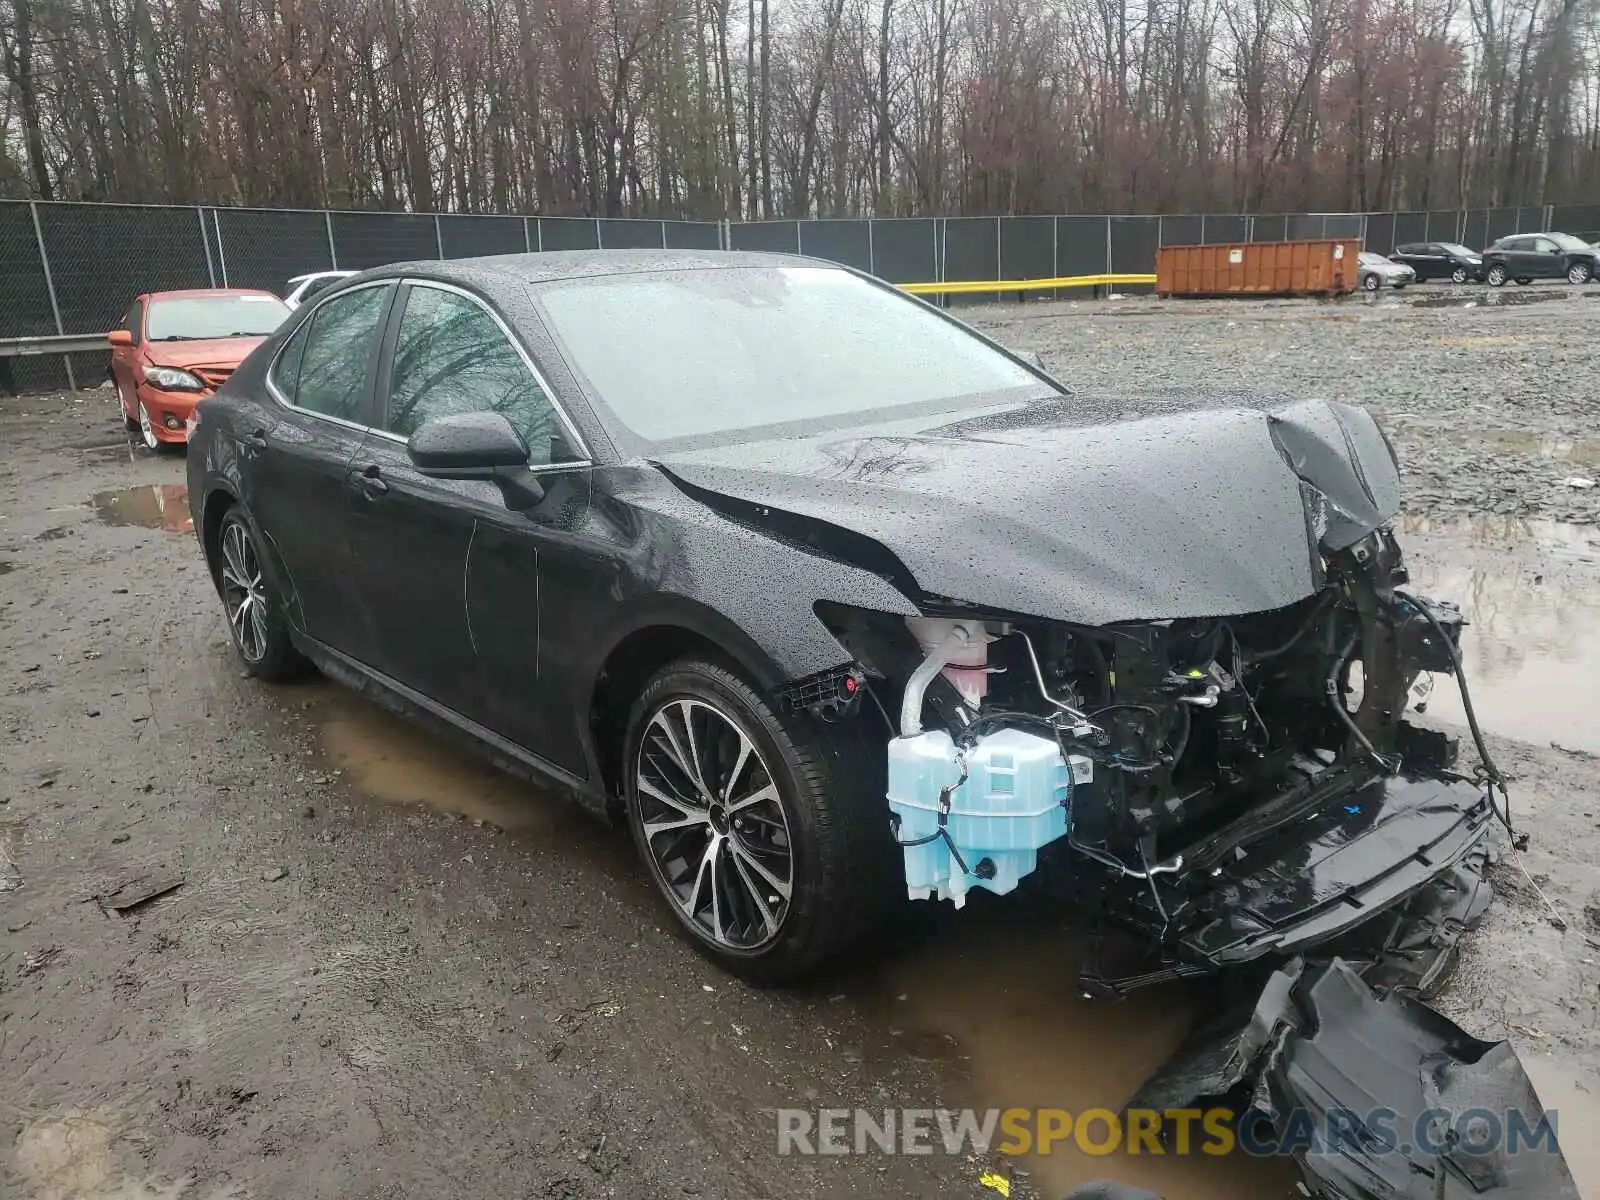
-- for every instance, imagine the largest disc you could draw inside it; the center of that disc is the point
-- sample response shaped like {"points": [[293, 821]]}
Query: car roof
{"points": [[548, 266], [202, 293]]}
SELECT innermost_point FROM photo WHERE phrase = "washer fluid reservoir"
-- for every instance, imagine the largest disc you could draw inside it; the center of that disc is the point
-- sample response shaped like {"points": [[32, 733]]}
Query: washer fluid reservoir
{"points": [[1014, 800]]}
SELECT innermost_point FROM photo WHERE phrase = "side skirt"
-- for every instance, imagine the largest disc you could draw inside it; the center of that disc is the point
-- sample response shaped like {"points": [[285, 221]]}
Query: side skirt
{"points": [[449, 724]]}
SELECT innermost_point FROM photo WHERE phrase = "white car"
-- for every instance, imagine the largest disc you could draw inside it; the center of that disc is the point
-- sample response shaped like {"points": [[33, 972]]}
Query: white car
{"points": [[302, 287]]}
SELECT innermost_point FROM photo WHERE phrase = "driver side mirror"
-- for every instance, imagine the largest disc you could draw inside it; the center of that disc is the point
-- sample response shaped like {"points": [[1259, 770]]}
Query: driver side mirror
{"points": [[476, 445], [119, 337]]}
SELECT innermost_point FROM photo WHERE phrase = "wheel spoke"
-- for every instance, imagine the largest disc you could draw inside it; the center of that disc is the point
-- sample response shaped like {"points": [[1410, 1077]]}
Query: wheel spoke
{"points": [[743, 854], [701, 871], [680, 806], [738, 766], [231, 579], [761, 795], [231, 555], [670, 743], [686, 714], [687, 821], [258, 623], [742, 873]]}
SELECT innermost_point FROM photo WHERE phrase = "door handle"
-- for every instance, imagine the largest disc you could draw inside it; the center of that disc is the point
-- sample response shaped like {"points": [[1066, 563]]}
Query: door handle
{"points": [[255, 443], [371, 482]]}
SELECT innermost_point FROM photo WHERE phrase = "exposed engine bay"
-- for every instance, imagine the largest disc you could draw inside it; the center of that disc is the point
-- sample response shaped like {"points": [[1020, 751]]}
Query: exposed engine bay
{"points": [[1227, 791], [1218, 788]]}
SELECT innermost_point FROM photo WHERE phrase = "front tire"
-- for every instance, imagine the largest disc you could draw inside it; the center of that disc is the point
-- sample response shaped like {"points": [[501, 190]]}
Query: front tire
{"points": [[256, 624], [1459, 275], [1371, 283], [758, 828], [1497, 276], [1579, 273]]}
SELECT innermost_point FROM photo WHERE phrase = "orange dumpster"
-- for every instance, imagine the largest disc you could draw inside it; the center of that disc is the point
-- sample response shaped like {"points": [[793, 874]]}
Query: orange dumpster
{"points": [[1324, 267]]}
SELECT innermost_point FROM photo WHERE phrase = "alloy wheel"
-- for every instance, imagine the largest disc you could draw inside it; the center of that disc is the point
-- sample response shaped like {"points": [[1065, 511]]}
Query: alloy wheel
{"points": [[244, 594], [1370, 283], [147, 429], [1578, 273], [1459, 275], [714, 825]]}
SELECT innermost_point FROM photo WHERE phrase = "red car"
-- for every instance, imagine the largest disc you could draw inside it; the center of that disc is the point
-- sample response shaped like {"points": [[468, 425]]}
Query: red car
{"points": [[176, 348]]}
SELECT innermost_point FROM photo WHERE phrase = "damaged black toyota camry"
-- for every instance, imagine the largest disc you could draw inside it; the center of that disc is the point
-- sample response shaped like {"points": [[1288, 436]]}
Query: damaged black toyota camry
{"points": [[837, 600]]}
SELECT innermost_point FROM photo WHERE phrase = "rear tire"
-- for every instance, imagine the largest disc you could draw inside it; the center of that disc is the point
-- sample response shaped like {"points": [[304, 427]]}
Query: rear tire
{"points": [[772, 848], [256, 623], [1497, 276], [1524, 280]]}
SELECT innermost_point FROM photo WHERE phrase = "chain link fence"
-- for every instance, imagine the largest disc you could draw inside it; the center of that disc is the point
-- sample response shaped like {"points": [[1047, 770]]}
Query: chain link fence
{"points": [[74, 268]]}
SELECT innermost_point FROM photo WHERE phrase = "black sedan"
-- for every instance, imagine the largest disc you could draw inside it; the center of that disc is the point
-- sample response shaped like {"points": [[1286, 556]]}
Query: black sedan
{"points": [[1440, 260], [834, 600]]}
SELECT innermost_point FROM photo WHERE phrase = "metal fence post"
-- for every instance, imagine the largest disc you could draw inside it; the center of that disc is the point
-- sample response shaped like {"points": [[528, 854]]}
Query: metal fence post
{"points": [[1202, 229], [333, 254], [999, 267], [663, 234], [205, 243], [438, 237], [599, 239], [527, 241], [1108, 245], [50, 286], [872, 261], [222, 255]]}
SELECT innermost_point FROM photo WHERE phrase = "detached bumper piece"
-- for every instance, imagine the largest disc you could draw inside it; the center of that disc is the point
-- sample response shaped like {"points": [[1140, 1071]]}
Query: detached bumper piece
{"points": [[1385, 869], [1347, 1081]]}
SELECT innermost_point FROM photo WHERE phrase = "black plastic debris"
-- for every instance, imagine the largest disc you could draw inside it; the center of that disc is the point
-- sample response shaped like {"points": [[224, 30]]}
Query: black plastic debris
{"points": [[1357, 1085]]}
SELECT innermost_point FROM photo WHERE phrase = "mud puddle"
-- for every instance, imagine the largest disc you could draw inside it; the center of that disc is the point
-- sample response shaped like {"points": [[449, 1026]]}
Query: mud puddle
{"points": [[148, 506], [990, 994], [1531, 592], [396, 762], [1488, 298]]}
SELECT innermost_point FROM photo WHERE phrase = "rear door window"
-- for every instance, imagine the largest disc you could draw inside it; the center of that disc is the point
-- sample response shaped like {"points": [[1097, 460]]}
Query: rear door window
{"points": [[329, 358]]}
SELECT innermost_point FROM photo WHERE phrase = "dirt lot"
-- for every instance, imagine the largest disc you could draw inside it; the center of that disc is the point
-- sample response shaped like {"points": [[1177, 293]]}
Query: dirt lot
{"points": [[385, 971]]}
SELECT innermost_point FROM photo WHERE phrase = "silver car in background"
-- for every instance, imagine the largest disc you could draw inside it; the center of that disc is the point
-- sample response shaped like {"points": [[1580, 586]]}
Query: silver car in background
{"points": [[1377, 272]]}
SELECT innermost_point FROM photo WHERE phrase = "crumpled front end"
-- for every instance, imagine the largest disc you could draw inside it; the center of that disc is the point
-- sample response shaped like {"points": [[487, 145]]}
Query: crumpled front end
{"points": [[1215, 790]]}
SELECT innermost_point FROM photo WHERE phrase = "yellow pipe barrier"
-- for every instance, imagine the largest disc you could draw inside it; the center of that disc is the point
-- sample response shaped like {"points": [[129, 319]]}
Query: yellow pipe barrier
{"points": [[966, 287]]}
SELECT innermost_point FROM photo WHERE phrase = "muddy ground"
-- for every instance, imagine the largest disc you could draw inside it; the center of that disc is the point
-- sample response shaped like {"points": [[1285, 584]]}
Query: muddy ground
{"points": [[382, 970]]}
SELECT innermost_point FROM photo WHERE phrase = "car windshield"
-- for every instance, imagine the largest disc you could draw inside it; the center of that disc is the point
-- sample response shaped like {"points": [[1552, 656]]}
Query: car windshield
{"points": [[1457, 248], [192, 318], [1371, 259], [1567, 242], [698, 353]]}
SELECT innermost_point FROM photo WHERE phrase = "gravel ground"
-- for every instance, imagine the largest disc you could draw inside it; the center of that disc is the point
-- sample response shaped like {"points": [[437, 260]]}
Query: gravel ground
{"points": [[386, 971], [1490, 396]]}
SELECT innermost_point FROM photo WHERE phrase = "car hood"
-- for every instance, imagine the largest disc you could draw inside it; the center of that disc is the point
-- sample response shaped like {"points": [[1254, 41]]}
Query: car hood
{"points": [[210, 352], [1086, 509]]}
